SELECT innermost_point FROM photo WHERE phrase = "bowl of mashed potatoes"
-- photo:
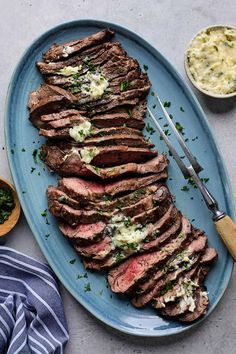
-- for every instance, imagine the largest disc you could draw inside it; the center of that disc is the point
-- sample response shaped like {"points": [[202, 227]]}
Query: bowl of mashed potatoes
{"points": [[210, 61]]}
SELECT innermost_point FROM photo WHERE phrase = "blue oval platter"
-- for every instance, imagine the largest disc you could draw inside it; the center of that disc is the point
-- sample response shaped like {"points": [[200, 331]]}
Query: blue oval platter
{"points": [[31, 179]]}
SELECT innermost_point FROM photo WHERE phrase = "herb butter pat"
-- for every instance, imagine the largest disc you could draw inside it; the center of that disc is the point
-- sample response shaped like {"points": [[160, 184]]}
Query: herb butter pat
{"points": [[97, 84], [88, 153], [69, 70], [212, 60], [80, 132], [124, 234]]}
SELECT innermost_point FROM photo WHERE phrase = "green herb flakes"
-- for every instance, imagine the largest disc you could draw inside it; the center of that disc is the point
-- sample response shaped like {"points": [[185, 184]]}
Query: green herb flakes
{"points": [[150, 129], [185, 189], [7, 204], [72, 261], [44, 213], [167, 104], [87, 287]]}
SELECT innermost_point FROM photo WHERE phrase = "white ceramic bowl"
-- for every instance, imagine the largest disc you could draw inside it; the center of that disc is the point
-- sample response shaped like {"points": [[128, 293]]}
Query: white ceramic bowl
{"points": [[186, 65]]}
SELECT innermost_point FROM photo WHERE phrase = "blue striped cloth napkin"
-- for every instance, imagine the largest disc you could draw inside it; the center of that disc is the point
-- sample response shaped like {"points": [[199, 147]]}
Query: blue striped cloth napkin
{"points": [[32, 318]]}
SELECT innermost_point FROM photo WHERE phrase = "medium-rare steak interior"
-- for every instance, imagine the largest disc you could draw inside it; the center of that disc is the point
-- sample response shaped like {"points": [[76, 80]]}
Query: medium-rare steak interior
{"points": [[111, 201]]}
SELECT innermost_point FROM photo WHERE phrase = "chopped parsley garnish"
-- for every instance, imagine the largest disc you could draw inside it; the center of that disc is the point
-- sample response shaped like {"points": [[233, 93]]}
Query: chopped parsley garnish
{"points": [[125, 85], [7, 204], [155, 203], [87, 287], [42, 154], [139, 192], [12, 151], [150, 129], [23, 149], [32, 169], [82, 276], [23, 192], [72, 261], [167, 104], [44, 213], [107, 198], [181, 109], [153, 93], [205, 180], [97, 169], [168, 287], [179, 127], [47, 236], [119, 257], [185, 189], [62, 199], [127, 221], [145, 67], [91, 67], [154, 106], [129, 113], [35, 155]]}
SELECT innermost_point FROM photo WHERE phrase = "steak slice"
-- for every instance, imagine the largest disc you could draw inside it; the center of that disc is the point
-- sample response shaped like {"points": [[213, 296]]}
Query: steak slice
{"points": [[76, 216], [156, 165], [116, 120], [47, 99], [132, 184], [82, 232], [106, 202], [184, 294], [60, 51], [126, 275], [81, 190], [201, 303], [67, 161], [171, 271], [106, 140], [149, 283], [95, 55]]}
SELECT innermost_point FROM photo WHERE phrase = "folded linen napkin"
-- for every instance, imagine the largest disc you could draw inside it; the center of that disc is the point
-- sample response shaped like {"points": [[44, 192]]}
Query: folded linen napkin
{"points": [[31, 312]]}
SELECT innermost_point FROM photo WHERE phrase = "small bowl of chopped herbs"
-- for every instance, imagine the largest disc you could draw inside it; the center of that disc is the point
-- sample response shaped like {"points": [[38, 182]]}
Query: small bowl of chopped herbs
{"points": [[9, 208]]}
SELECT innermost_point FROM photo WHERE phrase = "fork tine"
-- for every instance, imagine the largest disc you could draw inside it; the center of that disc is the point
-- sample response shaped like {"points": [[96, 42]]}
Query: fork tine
{"points": [[176, 156], [197, 167]]}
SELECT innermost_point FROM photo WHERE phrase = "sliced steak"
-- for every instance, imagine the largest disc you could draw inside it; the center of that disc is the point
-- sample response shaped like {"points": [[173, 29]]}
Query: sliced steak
{"points": [[95, 55], [80, 189], [125, 276], [173, 292], [132, 184], [156, 165], [106, 140], [47, 99], [116, 120], [175, 260], [169, 273], [75, 216], [108, 246], [82, 232], [60, 51], [201, 303], [67, 161]]}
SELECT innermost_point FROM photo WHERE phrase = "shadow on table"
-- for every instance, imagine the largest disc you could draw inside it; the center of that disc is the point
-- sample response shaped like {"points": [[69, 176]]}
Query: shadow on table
{"points": [[219, 105]]}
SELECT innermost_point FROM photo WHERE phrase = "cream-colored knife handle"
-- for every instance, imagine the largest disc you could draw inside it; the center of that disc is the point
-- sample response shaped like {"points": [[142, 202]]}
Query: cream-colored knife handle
{"points": [[227, 230]]}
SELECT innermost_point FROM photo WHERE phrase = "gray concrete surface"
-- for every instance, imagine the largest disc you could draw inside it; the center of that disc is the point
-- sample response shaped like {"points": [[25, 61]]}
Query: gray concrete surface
{"points": [[168, 25]]}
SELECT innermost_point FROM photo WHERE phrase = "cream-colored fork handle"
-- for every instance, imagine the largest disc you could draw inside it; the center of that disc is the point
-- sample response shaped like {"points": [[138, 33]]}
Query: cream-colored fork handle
{"points": [[227, 230]]}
